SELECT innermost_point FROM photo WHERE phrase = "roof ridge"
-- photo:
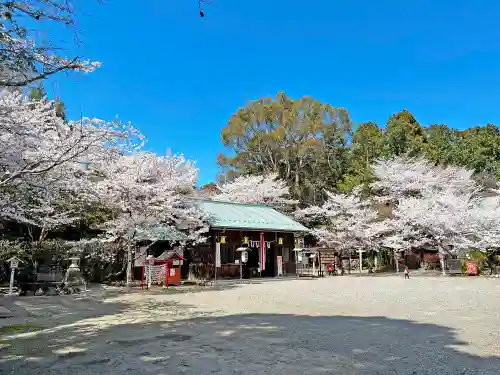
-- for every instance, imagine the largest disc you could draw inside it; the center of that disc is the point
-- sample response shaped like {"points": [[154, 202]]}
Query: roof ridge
{"points": [[243, 215], [235, 203]]}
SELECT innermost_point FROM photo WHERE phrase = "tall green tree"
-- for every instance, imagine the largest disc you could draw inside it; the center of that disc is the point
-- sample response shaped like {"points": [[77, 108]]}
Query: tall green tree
{"points": [[302, 140], [367, 145], [479, 149], [441, 144], [404, 135]]}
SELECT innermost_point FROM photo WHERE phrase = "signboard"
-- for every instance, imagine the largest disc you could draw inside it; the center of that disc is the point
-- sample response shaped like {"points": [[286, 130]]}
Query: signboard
{"points": [[217, 255], [172, 271], [280, 265], [175, 262], [14, 263]]}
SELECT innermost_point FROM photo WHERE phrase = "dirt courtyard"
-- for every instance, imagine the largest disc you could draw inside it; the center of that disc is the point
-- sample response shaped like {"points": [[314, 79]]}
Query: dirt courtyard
{"points": [[337, 325]]}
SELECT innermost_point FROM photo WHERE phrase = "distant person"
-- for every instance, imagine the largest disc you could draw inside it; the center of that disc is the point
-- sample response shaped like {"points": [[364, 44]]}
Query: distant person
{"points": [[407, 272]]}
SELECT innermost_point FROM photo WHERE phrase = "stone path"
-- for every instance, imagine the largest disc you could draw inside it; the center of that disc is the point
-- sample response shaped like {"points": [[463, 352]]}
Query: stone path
{"points": [[336, 326]]}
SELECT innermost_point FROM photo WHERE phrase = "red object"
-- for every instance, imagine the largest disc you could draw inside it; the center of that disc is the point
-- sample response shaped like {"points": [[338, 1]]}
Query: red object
{"points": [[262, 252], [167, 270], [329, 269], [472, 269], [172, 268]]}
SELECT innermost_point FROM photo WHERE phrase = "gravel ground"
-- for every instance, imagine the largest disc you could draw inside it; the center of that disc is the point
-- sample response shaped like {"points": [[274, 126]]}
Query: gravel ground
{"points": [[337, 325]]}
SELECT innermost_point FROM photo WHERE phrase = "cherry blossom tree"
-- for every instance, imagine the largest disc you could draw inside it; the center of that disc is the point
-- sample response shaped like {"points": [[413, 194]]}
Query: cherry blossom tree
{"points": [[47, 164], [152, 195], [346, 222], [23, 60], [436, 205], [487, 214], [402, 177], [256, 189], [33, 140]]}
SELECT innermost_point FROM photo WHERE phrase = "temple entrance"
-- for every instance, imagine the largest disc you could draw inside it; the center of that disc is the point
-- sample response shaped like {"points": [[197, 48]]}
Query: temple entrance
{"points": [[270, 262]]}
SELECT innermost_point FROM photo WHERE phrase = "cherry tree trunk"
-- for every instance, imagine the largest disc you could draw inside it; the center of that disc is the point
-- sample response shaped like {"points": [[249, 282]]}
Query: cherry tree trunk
{"points": [[396, 259], [442, 260], [129, 266]]}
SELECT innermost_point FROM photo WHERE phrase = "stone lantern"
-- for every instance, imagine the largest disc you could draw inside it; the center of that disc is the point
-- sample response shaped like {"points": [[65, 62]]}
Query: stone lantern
{"points": [[74, 263], [73, 280]]}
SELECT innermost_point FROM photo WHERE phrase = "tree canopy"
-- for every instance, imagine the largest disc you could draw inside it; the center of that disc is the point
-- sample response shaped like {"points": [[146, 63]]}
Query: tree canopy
{"points": [[314, 146], [302, 141]]}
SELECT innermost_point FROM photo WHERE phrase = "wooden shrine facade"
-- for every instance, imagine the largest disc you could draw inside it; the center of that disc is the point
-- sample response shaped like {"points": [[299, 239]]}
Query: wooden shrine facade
{"points": [[234, 226]]}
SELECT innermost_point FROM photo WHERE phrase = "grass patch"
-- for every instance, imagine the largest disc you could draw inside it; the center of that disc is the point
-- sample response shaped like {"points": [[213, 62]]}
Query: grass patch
{"points": [[18, 328]]}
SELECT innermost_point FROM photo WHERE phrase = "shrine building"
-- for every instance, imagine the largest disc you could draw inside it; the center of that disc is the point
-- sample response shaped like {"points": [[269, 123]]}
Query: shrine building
{"points": [[267, 236]]}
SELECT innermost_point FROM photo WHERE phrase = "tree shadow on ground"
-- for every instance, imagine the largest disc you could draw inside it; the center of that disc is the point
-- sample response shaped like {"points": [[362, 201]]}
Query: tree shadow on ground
{"points": [[58, 310], [243, 344], [220, 285]]}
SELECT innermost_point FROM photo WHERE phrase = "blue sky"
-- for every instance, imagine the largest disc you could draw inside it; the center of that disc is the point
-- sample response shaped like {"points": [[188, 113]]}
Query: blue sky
{"points": [[179, 77]]}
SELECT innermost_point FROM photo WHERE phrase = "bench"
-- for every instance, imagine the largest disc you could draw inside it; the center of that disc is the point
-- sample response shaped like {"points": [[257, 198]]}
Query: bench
{"points": [[49, 277]]}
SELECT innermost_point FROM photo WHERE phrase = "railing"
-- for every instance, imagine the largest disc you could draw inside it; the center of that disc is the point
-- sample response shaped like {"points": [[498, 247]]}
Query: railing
{"points": [[49, 277]]}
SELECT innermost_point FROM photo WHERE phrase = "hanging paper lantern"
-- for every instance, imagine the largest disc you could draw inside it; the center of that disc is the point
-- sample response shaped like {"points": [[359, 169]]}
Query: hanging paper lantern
{"points": [[222, 239], [245, 240], [280, 241]]}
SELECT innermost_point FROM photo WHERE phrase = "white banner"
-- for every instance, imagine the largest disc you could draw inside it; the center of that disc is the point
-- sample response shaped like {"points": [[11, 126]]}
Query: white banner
{"points": [[217, 254], [280, 265]]}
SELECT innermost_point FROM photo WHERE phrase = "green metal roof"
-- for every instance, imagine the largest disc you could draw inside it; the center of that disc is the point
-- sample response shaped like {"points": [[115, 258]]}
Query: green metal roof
{"points": [[248, 216], [159, 234]]}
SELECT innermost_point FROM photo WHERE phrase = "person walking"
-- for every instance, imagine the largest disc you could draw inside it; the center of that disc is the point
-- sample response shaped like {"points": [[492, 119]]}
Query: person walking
{"points": [[407, 273]]}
